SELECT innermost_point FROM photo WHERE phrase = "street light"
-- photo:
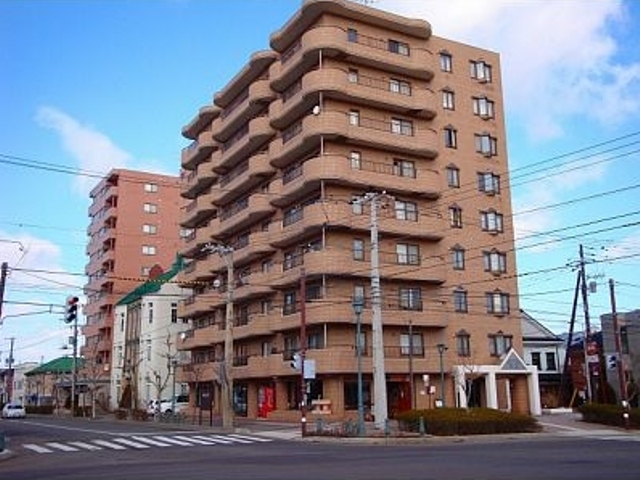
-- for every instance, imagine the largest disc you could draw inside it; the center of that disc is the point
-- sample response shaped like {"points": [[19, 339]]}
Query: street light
{"points": [[174, 365], [358, 306], [441, 349]]}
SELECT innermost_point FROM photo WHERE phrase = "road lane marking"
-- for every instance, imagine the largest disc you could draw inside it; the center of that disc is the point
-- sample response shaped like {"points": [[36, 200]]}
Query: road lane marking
{"points": [[250, 438], [150, 441], [85, 446], [174, 441], [212, 441], [36, 448], [130, 443], [112, 446], [197, 440], [61, 446]]}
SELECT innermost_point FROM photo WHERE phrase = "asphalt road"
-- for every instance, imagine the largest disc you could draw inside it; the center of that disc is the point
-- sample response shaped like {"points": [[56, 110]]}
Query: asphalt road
{"points": [[567, 453]]}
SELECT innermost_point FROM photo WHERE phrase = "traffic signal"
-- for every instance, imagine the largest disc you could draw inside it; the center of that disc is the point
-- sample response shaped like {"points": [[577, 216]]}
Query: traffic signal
{"points": [[612, 362], [71, 309], [296, 361]]}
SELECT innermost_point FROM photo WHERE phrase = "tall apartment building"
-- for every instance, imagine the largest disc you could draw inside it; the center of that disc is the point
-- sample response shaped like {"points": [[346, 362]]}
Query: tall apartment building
{"points": [[366, 157], [134, 226]]}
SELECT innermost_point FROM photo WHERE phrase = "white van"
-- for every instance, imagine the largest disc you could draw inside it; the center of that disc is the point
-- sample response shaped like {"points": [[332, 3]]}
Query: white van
{"points": [[166, 405]]}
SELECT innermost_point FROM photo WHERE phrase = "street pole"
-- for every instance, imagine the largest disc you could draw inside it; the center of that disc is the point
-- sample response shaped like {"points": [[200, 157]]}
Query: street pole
{"points": [[174, 364], [226, 374], [622, 384], [411, 380], [587, 325], [358, 306], [441, 349], [74, 366], [303, 351]]}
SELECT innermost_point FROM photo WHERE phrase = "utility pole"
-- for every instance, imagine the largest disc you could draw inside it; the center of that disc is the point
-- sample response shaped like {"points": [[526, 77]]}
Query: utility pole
{"points": [[622, 384], [226, 374], [379, 375], [587, 324], [3, 280], [10, 376], [303, 351]]}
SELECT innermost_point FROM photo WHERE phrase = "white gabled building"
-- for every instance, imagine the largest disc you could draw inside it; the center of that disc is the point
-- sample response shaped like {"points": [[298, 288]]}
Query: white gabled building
{"points": [[146, 332]]}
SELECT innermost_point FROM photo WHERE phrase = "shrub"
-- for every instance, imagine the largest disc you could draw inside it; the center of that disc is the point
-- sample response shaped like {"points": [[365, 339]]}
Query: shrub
{"points": [[39, 409], [120, 414], [608, 414], [473, 421]]}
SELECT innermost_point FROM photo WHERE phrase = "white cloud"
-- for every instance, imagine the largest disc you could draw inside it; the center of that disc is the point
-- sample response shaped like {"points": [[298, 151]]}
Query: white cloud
{"points": [[558, 57], [94, 151]]}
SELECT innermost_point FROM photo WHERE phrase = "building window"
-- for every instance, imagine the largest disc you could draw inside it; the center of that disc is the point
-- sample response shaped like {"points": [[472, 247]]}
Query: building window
{"points": [[150, 312], [265, 307], [353, 76], [491, 221], [151, 187], [457, 258], [398, 47], [357, 206], [174, 312], [401, 127], [150, 208], [463, 343], [499, 344], [399, 86], [290, 303], [354, 117], [148, 250], [450, 137], [446, 62], [292, 215], [266, 266], [497, 303], [536, 360], [358, 249], [404, 168], [406, 210], [352, 35], [448, 100], [550, 357], [494, 261], [460, 304], [480, 70], [315, 340], [359, 292], [489, 183], [483, 107], [486, 144], [411, 344], [407, 254], [356, 160], [453, 177], [410, 298], [455, 217], [149, 229]]}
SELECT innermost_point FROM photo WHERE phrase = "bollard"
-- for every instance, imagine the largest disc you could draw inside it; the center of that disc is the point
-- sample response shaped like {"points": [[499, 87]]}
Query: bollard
{"points": [[2, 442], [421, 427]]}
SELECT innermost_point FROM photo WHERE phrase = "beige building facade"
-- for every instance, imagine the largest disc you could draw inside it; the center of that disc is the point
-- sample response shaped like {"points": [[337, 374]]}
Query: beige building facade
{"points": [[360, 157], [134, 225]]}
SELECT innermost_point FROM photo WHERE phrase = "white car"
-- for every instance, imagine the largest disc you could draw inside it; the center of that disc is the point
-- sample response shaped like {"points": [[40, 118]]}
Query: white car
{"points": [[166, 406], [13, 410]]}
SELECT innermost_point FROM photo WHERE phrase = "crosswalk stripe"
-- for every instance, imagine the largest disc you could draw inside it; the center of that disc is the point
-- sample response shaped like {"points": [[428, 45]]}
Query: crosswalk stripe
{"points": [[235, 439], [151, 441], [252, 439], [36, 448], [61, 446], [199, 441], [85, 446], [111, 445], [173, 441], [130, 443], [212, 441]]}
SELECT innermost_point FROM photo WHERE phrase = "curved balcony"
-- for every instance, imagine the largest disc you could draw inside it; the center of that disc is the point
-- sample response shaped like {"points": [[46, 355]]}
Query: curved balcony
{"points": [[244, 143], [198, 273], [197, 372], [195, 306], [198, 151], [258, 284], [257, 246], [255, 68], [198, 211], [333, 125], [257, 207], [333, 42], [203, 118], [195, 181], [337, 169], [258, 95], [243, 178], [198, 338], [334, 83], [264, 367]]}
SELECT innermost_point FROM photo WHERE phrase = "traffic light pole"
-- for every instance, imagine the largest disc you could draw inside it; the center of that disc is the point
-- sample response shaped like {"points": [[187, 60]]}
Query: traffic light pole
{"points": [[74, 366], [303, 351]]}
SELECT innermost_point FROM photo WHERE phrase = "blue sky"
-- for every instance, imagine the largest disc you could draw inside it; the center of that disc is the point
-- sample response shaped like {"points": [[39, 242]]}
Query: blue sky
{"points": [[92, 85]]}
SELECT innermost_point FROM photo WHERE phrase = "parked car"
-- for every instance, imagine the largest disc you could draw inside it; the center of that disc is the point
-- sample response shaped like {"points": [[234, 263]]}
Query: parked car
{"points": [[13, 410], [166, 406]]}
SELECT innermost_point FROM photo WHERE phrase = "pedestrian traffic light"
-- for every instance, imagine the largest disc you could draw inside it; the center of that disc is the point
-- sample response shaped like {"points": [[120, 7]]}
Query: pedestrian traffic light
{"points": [[296, 361], [71, 309], [612, 362]]}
